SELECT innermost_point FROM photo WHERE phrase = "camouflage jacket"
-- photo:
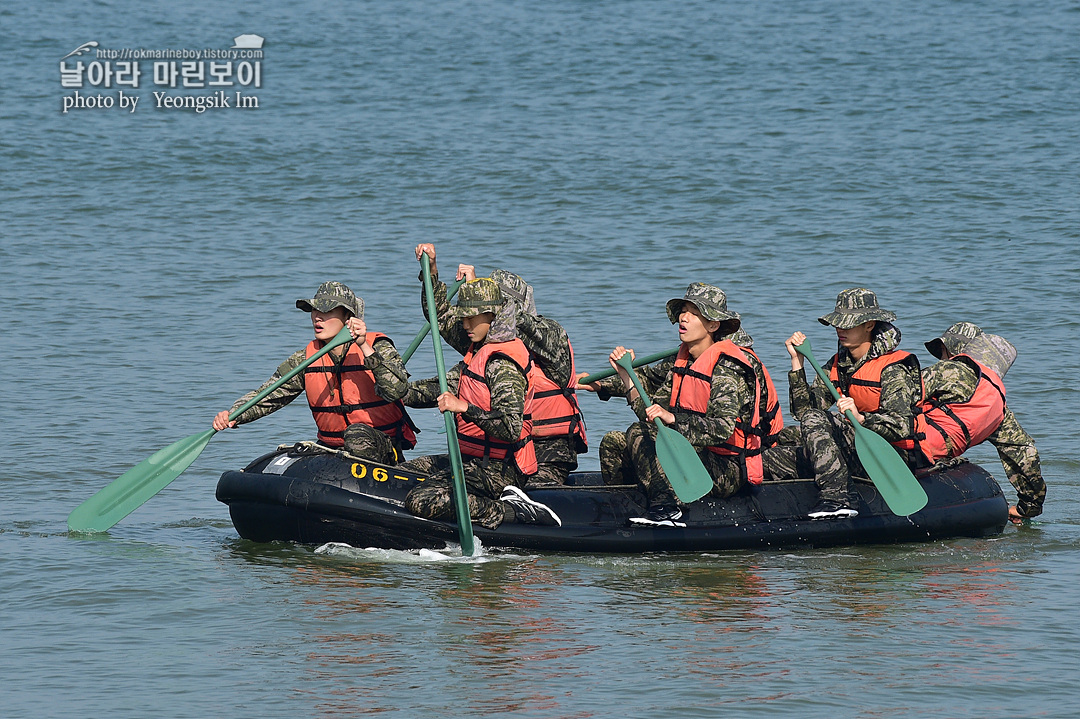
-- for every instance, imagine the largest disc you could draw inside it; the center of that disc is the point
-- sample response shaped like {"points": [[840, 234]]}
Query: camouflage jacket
{"points": [[900, 389], [508, 386], [391, 380], [953, 381], [730, 399], [546, 341]]}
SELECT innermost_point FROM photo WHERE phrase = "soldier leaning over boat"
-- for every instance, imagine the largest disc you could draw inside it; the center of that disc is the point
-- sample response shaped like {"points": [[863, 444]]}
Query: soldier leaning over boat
{"points": [[354, 392], [965, 405], [489, 393], [711, 392], [878, 383], [558, 428]]}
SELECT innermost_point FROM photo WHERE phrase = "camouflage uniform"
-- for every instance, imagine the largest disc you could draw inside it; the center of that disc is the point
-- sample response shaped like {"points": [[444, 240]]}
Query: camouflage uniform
{"points": [[549, 346], [954, 381], [484, 480], [826, 444], [630, 457], [391, 379]]}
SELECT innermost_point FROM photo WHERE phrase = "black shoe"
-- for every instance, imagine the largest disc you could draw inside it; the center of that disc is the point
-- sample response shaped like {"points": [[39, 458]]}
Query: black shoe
{"points": [[665, 515], [527, 511], [828, 509]]}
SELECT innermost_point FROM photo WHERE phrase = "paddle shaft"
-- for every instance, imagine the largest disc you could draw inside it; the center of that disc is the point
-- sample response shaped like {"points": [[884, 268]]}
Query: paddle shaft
{"points": [[342, 337], [640, 361], [804, 350], [683, 468], [461, 500], [451, 290]]}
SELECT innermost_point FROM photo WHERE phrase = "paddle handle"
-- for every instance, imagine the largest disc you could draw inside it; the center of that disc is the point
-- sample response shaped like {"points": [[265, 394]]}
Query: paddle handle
{"points": [[342, 337], [451, 290], [648, 359], [805, 351], [626, 363], [461, 502]]}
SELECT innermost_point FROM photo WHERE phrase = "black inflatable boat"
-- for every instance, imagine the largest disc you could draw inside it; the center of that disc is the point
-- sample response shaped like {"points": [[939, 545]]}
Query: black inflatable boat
{"points": [[308, 495]]}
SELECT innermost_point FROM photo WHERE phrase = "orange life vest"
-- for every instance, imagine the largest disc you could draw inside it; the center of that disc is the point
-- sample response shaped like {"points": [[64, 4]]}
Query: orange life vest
{"points": [[555, 410], [772, 419], [344, 394], [865, 385], [948, 429], [691, 385], [473, 389]]}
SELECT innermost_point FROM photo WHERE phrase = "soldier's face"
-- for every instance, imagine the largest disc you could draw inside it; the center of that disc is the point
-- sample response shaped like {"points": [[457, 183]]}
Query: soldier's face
{"points": [[477, 326], [692, 326], [328, 324], [856, 336]]}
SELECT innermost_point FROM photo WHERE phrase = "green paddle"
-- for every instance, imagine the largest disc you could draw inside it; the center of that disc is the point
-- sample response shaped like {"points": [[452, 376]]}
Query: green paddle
{"points": [[134, 487], [678, 458], [887, 469], [461, 500], [640, 361], [451, 290]]}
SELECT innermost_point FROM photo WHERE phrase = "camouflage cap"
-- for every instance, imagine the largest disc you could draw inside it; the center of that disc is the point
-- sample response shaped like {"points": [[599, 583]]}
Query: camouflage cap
{"points": [[711, 302], [478, 296], [854, 307], [953, 339], [331, 295], [994, 351], [515, 289]]}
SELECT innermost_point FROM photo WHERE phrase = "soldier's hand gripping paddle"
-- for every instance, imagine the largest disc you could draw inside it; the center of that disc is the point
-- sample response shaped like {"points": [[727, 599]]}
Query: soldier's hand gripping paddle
{"points": [[886, 469], [461, 500], [648, 359], [134, 487], [678, 458]]}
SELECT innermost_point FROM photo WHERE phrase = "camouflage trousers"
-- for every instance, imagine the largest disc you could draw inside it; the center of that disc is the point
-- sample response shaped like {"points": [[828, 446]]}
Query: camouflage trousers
{"points": [[630, 458], [432, 498], [822, 447], [549, 474], [556, 458], [366, 442]]}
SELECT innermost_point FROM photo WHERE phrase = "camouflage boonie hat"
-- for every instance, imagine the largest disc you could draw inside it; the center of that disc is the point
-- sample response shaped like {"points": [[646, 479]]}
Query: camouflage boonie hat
{"points": [[953, 339], [994, 351], [478, 296], [741, 338], [331, 295], [516, 289], [854, 307], [711, 302]]}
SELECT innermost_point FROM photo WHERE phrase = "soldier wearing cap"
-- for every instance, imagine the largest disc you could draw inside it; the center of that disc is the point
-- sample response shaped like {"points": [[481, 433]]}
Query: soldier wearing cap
{"points": [[558, 426], [354, 391], [877, 382], [965, 405], [711, 392], [489, 394]]}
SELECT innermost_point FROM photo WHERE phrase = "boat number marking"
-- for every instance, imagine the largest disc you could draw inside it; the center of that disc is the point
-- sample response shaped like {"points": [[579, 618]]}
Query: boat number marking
{"points": [[379, 474]]}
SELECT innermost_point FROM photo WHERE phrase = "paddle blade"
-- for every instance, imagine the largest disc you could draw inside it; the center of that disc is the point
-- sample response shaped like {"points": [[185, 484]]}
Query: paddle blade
{"points": [[134, 487], [889, 473], [681, 464]]}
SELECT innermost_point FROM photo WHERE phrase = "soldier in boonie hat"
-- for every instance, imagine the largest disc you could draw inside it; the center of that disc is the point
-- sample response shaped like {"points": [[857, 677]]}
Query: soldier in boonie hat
{"points": [[478, 296], [331, 295], [854, 307], [711, 303], [953, 339]]}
